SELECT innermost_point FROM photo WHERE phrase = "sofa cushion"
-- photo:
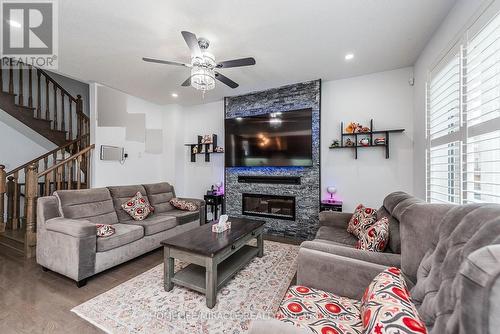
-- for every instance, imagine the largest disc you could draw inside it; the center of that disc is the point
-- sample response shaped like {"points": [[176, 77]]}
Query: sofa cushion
{"points": [[183, 205], [94, 205], [104, 230], [361, 220], [159, 195], [375, 238], [155, 223], [394, 245], [386, 306], [124, 234], [137, 207], [184, 217], [320, 311], [121, 194], [338, 235]]}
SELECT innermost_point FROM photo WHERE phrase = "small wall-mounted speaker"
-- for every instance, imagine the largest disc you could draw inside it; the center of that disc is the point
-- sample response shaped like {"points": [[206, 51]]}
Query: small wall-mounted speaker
{"points": [[112, 153]]}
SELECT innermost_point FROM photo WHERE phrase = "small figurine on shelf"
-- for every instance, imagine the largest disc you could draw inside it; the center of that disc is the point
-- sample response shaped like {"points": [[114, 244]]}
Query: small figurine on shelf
{"points": [[365, 129], [349, 142], [219, 149], [365, 141], [207, 139], [351, 127], [335, 143], [379, 141], [195, 150]]}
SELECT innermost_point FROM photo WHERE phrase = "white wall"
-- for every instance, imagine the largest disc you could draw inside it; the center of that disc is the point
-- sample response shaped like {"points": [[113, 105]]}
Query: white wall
{"points": [[140, 166], [387, 98], [20, 148], [195, 178], [452, 28]]}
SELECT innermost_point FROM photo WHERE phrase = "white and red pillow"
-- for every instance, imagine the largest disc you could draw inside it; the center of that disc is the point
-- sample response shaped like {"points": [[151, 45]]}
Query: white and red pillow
{"points": [[376, 237], [105, 230], [361, 220], [386, 306], [183, 205], [320, 311], [137, 207]]}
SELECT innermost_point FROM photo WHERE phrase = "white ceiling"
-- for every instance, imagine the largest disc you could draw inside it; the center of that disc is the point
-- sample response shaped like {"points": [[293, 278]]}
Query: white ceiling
{"points": [[291, 40]]}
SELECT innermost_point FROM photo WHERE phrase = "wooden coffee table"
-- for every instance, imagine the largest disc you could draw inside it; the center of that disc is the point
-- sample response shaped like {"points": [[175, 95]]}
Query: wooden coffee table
{"points": [[214, 257]]}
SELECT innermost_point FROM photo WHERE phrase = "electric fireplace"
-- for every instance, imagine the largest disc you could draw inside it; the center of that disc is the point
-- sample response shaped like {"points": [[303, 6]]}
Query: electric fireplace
{"points": [[271, 206]]}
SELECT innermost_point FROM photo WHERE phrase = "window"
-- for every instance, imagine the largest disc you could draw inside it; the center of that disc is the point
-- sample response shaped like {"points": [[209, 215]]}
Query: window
{"points": [[463, 121]]}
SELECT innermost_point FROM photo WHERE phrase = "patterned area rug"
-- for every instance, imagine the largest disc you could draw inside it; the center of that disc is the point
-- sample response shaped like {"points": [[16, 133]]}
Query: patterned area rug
{"points": [[140, 305]]}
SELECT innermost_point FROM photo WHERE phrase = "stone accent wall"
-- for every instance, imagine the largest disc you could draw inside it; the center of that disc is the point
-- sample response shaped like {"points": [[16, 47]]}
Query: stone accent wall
{"points": [[307, 194]]}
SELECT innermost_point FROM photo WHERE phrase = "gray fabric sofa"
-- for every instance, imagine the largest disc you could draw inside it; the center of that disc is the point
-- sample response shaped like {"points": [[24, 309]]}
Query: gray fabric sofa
{"points": [[66, 231], [332, 236], [450, 258]]}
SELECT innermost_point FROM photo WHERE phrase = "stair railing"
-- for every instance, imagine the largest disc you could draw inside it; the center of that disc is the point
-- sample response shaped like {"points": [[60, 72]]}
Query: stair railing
{"points": [[66, 174], [15, 180], [53, 102]]}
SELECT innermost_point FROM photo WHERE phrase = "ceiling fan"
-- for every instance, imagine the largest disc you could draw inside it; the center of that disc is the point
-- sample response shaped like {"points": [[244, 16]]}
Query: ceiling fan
{"points": [[203, 66]]}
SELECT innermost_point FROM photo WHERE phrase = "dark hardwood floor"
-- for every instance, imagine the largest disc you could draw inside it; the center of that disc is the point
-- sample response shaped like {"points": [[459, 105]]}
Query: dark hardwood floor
{"points": [[33, 301]]}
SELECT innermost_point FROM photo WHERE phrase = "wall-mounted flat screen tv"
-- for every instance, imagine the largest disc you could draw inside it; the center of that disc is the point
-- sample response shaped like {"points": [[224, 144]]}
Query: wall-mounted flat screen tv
{"points": [[275, 139]]}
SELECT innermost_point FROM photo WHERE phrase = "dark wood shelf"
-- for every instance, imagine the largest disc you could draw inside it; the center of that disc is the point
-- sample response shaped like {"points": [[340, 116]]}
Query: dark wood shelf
{"points": [[373, 132], [357, 146], [200, 147], [369, 134]]}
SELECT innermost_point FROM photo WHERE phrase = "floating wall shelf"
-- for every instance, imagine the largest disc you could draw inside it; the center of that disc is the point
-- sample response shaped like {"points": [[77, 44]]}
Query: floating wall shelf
{"points": [[203, 148], [356, 136]]}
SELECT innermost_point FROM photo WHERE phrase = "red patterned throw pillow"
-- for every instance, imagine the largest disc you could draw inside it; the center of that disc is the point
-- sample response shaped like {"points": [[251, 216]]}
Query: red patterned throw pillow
{"points": [[137, 207], [361, 220], [386, 306], [183, 205], [105, 230], [375, 239]]}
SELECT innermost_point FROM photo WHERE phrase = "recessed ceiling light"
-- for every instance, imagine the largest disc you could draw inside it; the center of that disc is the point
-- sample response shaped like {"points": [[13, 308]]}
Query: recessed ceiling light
{"points": [[349, 56], [14, 24], [175, 95]]}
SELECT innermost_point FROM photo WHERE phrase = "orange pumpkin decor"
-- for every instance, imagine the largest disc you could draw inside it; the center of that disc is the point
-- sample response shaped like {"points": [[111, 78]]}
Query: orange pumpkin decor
{"points": [[350, 127]]}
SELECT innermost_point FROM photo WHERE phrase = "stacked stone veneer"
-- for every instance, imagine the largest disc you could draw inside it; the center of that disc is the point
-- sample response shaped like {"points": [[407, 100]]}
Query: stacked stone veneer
{"points": [[307, 194]]}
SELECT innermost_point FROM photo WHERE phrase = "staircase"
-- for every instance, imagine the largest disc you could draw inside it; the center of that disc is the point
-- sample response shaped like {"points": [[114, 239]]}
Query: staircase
{"points": [[54, 113]]}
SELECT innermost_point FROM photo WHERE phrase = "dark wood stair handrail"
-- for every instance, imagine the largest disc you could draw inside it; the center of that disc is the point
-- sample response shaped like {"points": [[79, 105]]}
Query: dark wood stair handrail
{"points": [[65, 161], [48, 154]]}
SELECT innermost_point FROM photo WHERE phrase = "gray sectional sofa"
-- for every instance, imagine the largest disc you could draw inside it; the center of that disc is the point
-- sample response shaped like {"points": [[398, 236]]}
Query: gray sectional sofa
{"points": [[66, 227], [450, 259]]}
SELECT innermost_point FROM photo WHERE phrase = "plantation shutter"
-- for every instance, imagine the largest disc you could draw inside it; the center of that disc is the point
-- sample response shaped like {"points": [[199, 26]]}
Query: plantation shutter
{"points": [[482, 109], [444, 169]]}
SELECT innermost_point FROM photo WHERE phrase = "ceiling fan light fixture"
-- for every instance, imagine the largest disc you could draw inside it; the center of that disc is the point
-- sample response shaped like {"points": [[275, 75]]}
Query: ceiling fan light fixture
{"points": [[203, 72]]}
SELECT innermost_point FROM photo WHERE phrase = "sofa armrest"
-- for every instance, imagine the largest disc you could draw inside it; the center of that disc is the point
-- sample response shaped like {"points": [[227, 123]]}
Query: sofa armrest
{"points": [[334, 273], [385, 259], [71, 227], [273, 326], [333, 218]]}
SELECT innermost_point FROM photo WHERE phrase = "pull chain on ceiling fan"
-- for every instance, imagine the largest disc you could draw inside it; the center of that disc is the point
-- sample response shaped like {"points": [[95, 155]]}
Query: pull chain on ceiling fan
{"points": [[203, 65]]}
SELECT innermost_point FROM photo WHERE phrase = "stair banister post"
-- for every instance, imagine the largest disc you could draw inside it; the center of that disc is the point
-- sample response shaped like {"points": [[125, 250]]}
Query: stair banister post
{"points": [[10, 203], [2, 197], [79, 112], [31, 195]]}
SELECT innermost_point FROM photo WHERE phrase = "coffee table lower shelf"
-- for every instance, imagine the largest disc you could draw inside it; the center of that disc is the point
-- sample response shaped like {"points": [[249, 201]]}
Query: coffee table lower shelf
{"points": [[193, 276]]}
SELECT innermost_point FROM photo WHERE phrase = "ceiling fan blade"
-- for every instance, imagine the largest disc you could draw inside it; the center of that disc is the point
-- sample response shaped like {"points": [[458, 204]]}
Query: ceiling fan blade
{"points": [[225, 80], [187, 82], [192, 43], [167, 62], [236, 62]]}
